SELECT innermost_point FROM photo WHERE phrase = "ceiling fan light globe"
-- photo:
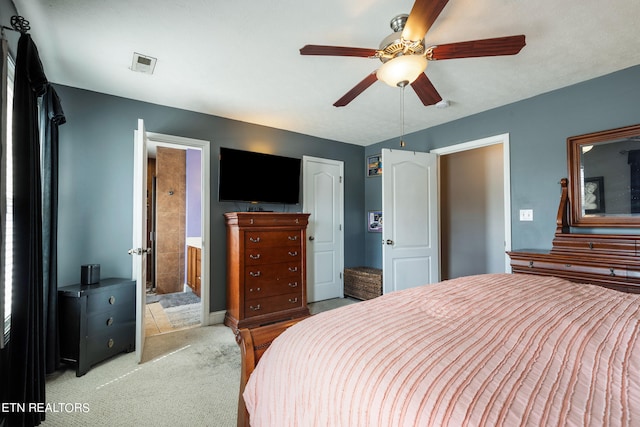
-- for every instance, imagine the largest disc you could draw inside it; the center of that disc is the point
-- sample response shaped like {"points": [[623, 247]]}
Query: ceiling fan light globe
{"points": [[402, 70]]}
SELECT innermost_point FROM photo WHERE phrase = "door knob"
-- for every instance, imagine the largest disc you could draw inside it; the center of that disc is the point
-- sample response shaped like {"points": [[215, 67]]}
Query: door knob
{"points": [[311, 238], [389, 242]]}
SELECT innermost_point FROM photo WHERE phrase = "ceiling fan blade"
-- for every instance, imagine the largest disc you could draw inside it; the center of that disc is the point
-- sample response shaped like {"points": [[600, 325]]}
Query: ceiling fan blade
{"points": [[422, 16], [425, 90], [476, 48], [313, 49], [357, 90]]}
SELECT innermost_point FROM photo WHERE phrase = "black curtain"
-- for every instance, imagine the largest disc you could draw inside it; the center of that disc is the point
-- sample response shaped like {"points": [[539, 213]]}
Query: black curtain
{"points": [[27, 343], [51, 116]]}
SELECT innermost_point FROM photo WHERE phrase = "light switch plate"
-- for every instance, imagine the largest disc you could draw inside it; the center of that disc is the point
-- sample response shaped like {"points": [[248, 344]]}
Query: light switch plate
{"points": [[526, 214]]}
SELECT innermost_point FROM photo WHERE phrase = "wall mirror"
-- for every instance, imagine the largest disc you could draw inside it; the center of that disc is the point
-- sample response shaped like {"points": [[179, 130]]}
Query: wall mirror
{"points": [[604, 178]]}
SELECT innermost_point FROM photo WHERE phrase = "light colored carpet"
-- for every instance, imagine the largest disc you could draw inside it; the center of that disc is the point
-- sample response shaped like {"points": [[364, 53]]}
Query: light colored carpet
{"points": [[317, 307], [190, 378]]}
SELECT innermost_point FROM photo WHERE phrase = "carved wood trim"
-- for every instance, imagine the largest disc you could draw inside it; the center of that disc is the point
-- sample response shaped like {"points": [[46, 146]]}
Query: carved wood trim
{"points": [[253, 343], [562, 219]]}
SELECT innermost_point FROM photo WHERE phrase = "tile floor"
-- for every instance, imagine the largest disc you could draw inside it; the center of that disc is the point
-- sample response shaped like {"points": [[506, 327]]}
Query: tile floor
{"points": [[156, 321]]}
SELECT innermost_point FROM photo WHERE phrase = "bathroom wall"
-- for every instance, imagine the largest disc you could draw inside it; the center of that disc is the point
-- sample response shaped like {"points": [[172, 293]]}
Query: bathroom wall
{"points": [[170, 219]]}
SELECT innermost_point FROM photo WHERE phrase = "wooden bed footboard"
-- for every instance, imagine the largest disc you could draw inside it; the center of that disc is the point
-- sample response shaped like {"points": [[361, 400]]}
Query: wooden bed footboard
{"points": [[253, 343]]}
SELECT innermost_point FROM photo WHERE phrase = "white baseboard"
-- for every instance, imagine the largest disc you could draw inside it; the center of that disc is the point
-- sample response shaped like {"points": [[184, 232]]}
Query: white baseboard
{"points": [[216, 317]]}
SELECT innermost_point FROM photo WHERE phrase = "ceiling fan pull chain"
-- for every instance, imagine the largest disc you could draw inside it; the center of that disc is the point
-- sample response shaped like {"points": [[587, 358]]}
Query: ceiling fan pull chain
{"points": [[402, 116]]}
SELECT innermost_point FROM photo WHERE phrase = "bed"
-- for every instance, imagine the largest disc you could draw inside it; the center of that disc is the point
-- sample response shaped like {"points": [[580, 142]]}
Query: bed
{"points": [[495, 349]]}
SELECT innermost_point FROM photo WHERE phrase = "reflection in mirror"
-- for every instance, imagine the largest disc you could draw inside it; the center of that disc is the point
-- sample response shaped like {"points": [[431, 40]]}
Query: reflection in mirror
{"points": [[604, 178], [606, 169]]}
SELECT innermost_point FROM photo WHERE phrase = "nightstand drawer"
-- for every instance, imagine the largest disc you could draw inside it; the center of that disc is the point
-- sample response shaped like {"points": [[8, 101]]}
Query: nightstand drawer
{"points": [[111, 342], [107, 300], [98, 323]]}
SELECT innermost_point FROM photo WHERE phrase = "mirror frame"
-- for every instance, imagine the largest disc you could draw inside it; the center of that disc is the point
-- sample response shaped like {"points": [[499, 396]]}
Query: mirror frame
{"points": [[574, 149]]}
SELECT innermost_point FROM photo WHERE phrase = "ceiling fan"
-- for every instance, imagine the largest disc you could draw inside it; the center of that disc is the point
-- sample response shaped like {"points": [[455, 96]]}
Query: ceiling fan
{"points": [[404, 54]]}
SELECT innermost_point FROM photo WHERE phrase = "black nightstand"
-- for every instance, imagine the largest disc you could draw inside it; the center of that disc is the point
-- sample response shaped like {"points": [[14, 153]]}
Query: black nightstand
{"points": [[96, 321]]}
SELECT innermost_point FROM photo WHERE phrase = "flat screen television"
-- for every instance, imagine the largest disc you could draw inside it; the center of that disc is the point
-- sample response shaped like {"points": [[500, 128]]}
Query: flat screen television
{"points": [[246, 176]]}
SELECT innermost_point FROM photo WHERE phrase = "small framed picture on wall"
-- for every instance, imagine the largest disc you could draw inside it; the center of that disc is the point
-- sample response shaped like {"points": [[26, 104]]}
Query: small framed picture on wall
{"points": [[374, 222], [374, 165]]}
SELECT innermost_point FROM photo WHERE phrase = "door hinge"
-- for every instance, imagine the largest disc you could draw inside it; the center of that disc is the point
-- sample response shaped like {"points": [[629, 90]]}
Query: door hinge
{"points": [[340, 179], [340, 227], [341, 275]]}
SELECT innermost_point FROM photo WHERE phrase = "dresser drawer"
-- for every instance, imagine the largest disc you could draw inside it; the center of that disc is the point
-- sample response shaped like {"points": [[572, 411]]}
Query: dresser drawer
{"points": [[593, 244], [264, 255], [256, 274], [268, 288], [571, 267], [104, 301], [264, 239], [265, 219], [272, 304]]}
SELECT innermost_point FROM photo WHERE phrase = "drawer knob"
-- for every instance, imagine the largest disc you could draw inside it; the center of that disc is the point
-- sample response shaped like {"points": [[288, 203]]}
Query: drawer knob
{"points": [[255, 273], [254, 239], [293, 300], [256, 308], [293, 284], [590, 245], [293, 269], [252, 256], [110, 343], [294, 253], [568, 265], [613, 273], [294, 238], [530, 264], [257, 289], [110, 321], [112, 300]]}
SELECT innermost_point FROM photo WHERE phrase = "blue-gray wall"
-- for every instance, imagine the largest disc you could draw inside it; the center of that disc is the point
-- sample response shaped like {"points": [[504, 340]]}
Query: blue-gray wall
{"points": [[538, 129], [96, 164], [96, 179]]}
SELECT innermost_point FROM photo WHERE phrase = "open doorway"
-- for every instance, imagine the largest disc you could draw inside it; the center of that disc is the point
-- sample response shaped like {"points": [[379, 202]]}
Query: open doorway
{"points": [[174, 234], [177, 290], [475, 207]]}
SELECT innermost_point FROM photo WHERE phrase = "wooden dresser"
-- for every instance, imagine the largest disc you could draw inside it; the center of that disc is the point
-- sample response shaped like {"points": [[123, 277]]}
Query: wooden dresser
{"points": [[266, 268], [610, 260]]}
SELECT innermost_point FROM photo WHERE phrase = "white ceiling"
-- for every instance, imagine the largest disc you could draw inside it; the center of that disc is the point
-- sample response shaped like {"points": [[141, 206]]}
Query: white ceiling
{"points": [[240, 59]]}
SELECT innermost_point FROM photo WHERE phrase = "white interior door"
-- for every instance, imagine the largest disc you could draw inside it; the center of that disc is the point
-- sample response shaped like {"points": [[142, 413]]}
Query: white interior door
{"points": [[323, 199], [410, 254], [139, 249]]}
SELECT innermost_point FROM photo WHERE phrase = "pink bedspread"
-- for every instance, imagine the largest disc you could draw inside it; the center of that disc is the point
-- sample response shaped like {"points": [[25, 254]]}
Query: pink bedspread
{"points": [[483, 350]]}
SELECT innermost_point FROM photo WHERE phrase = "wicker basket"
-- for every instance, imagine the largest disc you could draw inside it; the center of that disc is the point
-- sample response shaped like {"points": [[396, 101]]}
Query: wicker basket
{"points": [[363, 282]]}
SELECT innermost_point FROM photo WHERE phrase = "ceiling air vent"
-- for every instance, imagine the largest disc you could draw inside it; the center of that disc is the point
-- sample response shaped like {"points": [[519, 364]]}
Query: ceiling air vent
{"points": [[143, 64]]}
